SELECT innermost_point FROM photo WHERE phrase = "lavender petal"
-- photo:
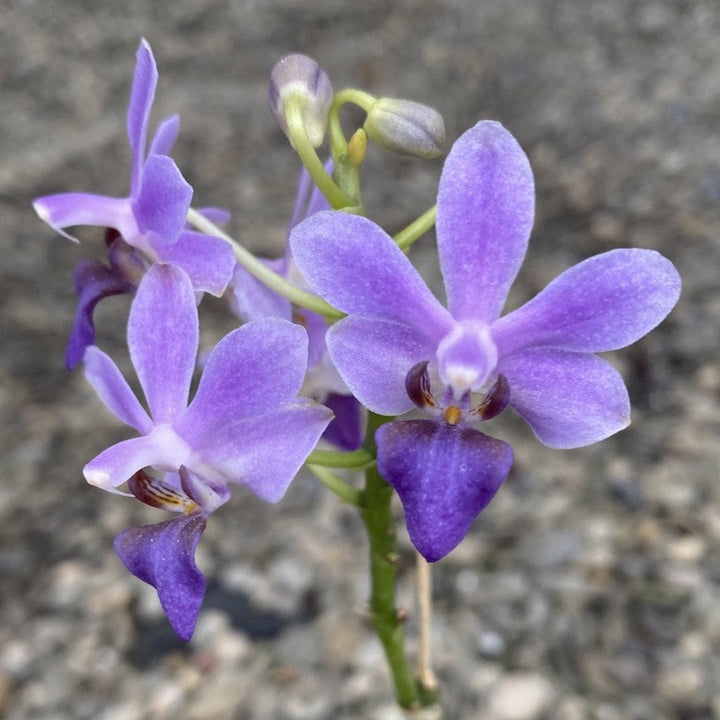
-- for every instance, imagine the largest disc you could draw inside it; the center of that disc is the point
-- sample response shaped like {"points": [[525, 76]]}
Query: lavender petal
{"points": [[70, 209], [568, 399], [162, 204], [250, 372], [485, 209], [208, 261], [141, 99], [603, 303], [373, 357], [163, 339], [354, 265], [107, 380]]}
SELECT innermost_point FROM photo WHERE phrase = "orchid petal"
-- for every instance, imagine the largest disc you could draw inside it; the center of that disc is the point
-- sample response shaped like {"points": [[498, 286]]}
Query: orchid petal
{"points": [[118, 463], [107, 380], [568, 399], [208, 261], [162, 204], [93, 282], [485, 208], [216, 215], [603, 303], [444, 474], [251, 371], [163, 339], [373, 357], [163, 555], [346, 428], [141, 99], [252, 299], [264, 453], [165, 136], [308, 198], [354, 265], [70, 209]]}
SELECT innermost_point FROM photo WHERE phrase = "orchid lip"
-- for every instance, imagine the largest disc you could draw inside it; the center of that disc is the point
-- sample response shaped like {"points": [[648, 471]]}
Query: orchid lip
{"points": [[419, 390]]}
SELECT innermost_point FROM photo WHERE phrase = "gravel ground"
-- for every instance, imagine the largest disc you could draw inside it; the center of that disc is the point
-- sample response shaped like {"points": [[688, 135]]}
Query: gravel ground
{"points": [[590, 588]]}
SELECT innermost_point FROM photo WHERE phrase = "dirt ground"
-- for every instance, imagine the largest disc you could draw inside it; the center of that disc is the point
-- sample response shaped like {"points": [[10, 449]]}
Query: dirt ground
{"points": [[590, 588]]}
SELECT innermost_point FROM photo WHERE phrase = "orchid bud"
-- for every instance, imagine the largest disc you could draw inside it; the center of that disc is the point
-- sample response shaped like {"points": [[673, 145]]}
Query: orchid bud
{"points": [[405, 127], [301, 79]]}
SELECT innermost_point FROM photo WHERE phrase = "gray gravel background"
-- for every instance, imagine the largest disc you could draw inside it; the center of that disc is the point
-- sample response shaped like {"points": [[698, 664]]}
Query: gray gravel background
{"points": [[591, 586]]}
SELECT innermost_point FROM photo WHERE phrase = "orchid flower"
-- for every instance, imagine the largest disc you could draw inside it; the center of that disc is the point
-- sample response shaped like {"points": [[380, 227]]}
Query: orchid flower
{"points": [[245, 424], [251, 299], [151, 220], [400, 348]]}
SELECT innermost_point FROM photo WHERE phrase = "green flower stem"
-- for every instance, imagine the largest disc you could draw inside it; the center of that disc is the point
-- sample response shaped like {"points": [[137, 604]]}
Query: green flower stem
{"points": [[416, 229], [347, 493], [377, 516], [263, 273], [364, 100], [355, 460], [309, 156]]}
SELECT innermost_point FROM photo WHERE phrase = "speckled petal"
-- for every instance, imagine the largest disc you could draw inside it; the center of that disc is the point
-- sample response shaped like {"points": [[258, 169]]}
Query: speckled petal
{"points": [[568, 399], [373, 358], [107, 380], [353, 264], [444, 474], [603, 303], [163, 555], [141, 100], [208, 261], [252, 371], [93, 282], [485, 209], [163, 339], [161, 206]]}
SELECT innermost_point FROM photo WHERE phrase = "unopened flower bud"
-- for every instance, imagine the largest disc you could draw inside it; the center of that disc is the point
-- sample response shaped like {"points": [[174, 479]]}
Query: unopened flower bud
{"points": [[405, 127], [301, 79]]}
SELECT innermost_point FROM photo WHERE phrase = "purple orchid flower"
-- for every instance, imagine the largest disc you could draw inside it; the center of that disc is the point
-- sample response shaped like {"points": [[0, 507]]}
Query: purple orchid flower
{"points": [[251, 299], [151, 220], [399, 347], [245, 424]]}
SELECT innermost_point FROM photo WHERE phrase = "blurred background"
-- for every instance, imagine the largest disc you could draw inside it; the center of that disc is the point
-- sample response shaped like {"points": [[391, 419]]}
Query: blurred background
{"points": [[590, 588]]}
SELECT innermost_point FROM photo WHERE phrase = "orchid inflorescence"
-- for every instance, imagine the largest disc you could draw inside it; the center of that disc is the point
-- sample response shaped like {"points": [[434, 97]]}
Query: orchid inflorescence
{"points": [[340, 338]]}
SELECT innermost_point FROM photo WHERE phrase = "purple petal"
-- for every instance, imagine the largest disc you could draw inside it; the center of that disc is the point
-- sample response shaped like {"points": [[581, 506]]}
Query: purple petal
{"points": [[116, 465], [603, 303], [354, 265], [163, 556], [165, 136], [253, 300], [216, 215], [346, 428], [93, 282], [252, 371], [141, 99], [485, 207], [374, 357], [308, 199], [444, 474], [70, 209], [163, 339], [208, 261], [162, 204], [264, 453], [568, 399], [208, 496], [103, 374]]}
